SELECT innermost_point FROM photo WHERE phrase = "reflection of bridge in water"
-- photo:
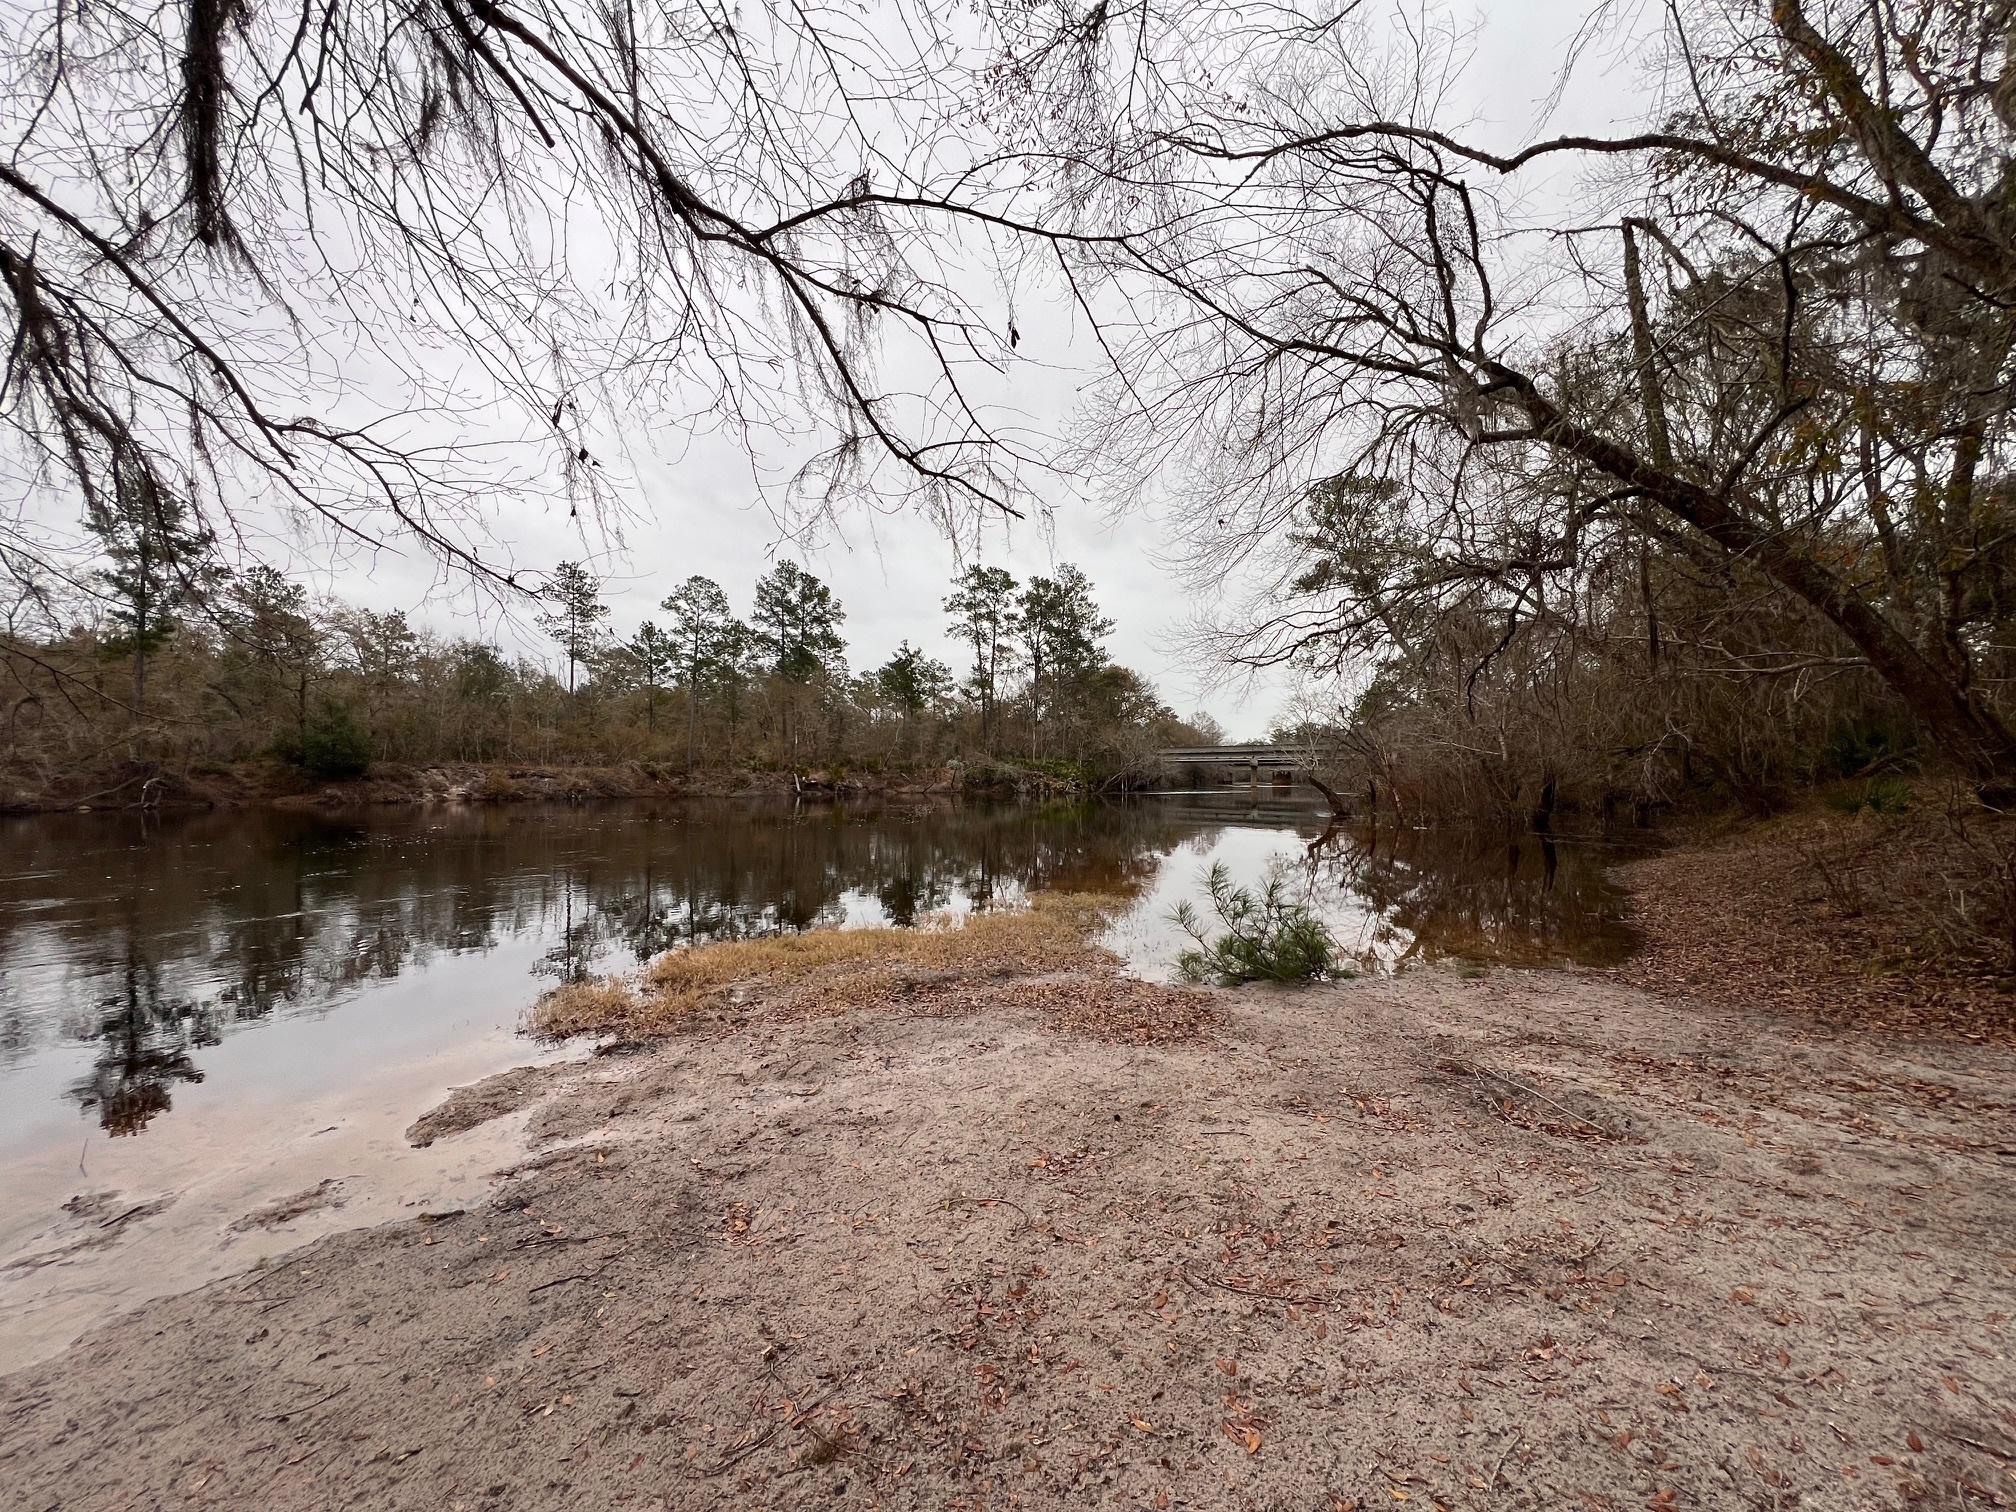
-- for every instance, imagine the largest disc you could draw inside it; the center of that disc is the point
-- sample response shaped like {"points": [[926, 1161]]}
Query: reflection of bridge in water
{"points": [[1269, 808], [1282, 764]]}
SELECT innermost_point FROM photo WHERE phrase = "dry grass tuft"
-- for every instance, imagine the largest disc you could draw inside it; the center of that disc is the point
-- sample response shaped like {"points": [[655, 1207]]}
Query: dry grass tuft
{"points": [[843, 968], [590, 1007]]}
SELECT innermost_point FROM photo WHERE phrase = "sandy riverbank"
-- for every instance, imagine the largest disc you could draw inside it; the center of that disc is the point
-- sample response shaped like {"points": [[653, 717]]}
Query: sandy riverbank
{"points": [[994, 1237]]}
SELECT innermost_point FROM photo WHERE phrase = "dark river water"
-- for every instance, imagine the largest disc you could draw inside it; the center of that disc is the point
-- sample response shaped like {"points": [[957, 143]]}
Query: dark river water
{"points": [[204, 1014], [132, 949]]}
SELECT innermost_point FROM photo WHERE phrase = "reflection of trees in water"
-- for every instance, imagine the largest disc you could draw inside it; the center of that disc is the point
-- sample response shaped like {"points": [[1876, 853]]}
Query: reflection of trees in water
{"points": [[145, 1036], [733, 879], [1454, 893], [119, 930], [151, 941]]}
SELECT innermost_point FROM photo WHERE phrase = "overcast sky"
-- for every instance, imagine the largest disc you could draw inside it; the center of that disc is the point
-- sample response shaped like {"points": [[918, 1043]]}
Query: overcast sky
{"points": [[691, 505]]}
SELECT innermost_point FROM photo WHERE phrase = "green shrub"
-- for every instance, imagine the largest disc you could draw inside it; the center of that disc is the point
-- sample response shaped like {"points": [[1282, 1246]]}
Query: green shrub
{"points": [[1868, 745], [335, 745], [1267, 938], [1879, 795]]}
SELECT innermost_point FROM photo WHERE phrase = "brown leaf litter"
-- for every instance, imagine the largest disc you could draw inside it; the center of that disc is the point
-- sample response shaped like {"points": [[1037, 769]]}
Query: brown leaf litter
{"points": [[881, 1258], [1896, 923]]}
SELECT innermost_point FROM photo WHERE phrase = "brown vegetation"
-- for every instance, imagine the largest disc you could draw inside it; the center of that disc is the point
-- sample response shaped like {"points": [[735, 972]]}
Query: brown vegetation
{"points": [[1901, 921], [208, 784], [1040, 958]]}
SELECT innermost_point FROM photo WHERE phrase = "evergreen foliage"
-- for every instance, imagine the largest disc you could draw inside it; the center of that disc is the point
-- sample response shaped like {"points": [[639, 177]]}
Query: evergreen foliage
{"points": [[1268, 937], [258, 665], [573, 615], [797, 623], [159, 561], [334, 745]]}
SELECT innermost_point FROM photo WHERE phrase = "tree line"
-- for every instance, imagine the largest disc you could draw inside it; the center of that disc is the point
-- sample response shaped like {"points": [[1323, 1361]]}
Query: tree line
{"points": [[169, 656], [1705, 466]]}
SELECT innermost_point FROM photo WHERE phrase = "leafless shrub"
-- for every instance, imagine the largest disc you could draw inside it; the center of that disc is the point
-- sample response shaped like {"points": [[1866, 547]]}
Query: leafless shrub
{"points": [[1979, 916], [1837, 855]]}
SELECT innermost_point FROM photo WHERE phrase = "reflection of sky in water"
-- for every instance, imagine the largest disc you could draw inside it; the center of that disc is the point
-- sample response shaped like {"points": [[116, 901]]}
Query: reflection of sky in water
{"points": [[865, 910], [131, 950], [132, 947], [1147, 936], [1394, 897]]}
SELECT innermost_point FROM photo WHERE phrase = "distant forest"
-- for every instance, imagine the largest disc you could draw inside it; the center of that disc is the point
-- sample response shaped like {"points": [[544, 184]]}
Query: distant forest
{"points": [[169, 657], [1669, 466]]}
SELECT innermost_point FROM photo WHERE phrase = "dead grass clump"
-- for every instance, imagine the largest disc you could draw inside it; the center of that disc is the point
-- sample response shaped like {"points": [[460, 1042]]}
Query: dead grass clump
{"points": [[596, 1006], [849, 967]]}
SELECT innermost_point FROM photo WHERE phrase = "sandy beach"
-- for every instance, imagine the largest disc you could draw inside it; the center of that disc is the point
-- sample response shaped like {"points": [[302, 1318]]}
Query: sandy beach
{"points": [[1053, 1238]]}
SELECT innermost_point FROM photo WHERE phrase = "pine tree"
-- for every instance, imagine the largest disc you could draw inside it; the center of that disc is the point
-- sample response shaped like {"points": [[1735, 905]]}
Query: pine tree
{"points": [[703, 637], [984, 616], [160, 561], [1060, 627], [574, 614], [912, 682], [797, 622], [651, 654]]}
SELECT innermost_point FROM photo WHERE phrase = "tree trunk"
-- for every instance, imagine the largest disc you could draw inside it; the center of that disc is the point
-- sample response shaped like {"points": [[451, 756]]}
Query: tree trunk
{"points": [[692, 717], [1969, 732]]}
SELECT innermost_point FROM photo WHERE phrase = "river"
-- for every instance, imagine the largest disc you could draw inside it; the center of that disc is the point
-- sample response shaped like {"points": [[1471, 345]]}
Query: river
{"points": [[201, 1012]]}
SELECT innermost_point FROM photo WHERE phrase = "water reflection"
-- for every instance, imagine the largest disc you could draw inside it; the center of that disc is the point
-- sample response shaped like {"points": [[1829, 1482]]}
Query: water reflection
{"points": [[1469, 895], [146, 1035], [147, 940], [151, 937]]}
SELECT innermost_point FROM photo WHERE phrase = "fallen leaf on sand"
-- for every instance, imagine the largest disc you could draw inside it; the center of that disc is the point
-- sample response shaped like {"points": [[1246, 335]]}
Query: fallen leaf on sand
{"points": [[1243, 1433]]}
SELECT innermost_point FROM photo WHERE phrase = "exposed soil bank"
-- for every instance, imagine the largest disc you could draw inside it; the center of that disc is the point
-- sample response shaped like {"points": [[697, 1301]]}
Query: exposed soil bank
{"points": [[1533, 1240], [154, 785], [150, 785]]}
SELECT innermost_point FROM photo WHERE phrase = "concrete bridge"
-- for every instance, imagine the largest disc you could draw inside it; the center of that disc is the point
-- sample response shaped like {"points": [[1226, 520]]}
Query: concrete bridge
{"points": [[1281, 763]]}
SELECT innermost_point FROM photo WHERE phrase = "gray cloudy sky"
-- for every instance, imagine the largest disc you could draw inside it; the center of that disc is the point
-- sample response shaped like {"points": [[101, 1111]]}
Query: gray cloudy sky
{"points": [[691, 506]]}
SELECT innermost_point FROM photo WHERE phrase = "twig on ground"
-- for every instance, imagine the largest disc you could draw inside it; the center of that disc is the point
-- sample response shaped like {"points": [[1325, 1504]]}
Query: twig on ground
{"points": [[607, 1261], [292, 1412], [1252, 1291], [761, 1439], [1960, 1438], [1027, 1221], [1484, 1073], [1498, 1469]]}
